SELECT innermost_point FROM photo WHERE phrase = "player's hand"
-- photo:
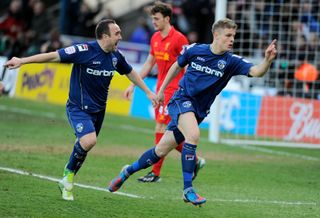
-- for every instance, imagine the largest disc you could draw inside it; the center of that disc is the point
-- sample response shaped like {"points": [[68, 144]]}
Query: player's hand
{"points": [[128, 92], [154, 100], [271, 51], [160, 97], [13, 63]]}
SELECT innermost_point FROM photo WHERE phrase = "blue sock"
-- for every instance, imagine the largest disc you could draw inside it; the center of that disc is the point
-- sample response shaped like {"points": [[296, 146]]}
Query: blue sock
{"points": [[188, 159], [147, 159], [77, 157]]}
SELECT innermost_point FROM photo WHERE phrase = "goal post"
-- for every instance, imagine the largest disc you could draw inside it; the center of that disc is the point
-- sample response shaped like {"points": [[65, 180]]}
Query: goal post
{"points": [[283, 107], [214, 120]]}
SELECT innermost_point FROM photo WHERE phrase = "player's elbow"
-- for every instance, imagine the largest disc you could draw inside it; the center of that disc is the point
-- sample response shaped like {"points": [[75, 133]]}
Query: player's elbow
{"points": [[256, 72]]}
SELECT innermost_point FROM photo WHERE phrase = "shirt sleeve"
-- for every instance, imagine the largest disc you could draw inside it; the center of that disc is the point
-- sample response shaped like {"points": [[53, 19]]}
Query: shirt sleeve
{"points": [[184, 57], [240, 66], [123, 67], [72, 54]]}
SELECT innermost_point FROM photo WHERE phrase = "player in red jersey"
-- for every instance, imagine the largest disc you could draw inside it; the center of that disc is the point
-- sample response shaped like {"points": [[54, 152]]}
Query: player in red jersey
{"points": [[165, 46]]}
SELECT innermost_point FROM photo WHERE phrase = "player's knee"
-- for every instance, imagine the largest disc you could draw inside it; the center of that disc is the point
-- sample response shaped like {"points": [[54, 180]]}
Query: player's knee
{"points": [[193, 137], [88, 141], [161, 150]]}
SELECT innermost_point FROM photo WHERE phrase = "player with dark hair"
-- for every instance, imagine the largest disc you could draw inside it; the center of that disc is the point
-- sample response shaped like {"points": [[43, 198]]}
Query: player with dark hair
{"points": [[165, 46], [94, 64], [210, 67]]}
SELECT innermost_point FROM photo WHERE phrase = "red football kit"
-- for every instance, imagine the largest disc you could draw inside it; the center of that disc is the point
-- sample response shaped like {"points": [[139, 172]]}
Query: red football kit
{"points": [[165, 51]]}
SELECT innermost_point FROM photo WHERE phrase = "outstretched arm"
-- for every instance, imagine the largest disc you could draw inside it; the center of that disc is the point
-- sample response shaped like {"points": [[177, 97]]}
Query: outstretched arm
{"points": [[38, 58], [136, 79], [270, 54]]}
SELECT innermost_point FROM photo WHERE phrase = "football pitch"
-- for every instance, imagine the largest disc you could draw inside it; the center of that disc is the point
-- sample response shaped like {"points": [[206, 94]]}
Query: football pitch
{"points": [[238, 181]]}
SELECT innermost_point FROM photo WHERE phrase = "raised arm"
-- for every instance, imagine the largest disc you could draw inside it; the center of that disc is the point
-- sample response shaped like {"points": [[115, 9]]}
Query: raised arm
{"points": [[173, 71], [145, 71], [38, 58], [270, 54], [137, 80]]}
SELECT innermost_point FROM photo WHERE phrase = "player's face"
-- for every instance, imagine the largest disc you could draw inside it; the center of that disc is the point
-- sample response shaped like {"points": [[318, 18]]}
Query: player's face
{"points": [[225, 38], [159, 21], [115, 36]]}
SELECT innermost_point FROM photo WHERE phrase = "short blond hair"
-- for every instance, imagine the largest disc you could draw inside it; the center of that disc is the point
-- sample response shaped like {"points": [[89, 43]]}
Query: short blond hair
{"points": [[225, 23]]}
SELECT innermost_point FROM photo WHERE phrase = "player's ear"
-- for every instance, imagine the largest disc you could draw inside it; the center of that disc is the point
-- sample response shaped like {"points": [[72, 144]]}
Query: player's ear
{"points": [[105, 36], [167, 18]]}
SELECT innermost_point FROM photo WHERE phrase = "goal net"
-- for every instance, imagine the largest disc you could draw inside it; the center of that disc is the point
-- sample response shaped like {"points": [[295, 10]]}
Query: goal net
{"points": [[283, 107]]}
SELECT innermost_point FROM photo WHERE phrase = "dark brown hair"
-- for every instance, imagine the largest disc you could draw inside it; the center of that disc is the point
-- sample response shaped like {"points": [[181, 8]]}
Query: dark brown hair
{"points": [[103, 27]]}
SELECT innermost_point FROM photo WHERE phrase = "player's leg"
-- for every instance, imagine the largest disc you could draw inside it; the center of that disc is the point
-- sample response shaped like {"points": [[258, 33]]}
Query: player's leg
{"points": [[87, 127], [150, 157], [188, 125], [76, 159], [154, 174], [84, 128]]}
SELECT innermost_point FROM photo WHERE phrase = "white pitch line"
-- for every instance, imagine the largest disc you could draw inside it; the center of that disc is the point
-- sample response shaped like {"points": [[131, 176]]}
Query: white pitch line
{"points": [[52, 179], [264, 202], [27, 111], [250, 201], [281, 153]]}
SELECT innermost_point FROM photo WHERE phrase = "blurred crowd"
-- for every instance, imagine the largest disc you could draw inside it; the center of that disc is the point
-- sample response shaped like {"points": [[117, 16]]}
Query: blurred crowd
{"points": [[296, 25], [26, 28], [193, 18]]}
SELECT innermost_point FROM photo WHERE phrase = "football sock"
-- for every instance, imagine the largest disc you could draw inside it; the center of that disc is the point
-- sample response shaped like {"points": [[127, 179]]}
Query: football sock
{"points": [[188, 159], [77, 157], [179, 147], [157, 167], [147, 159]]}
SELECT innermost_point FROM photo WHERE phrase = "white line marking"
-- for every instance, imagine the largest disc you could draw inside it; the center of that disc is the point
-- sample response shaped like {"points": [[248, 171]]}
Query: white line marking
{"points": [[270, 151], [52, 179], [27, 111], [264, 202]]}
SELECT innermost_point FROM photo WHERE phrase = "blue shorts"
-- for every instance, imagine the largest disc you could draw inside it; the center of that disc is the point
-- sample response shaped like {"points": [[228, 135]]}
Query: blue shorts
{"points": [[83, 122], [180, 104]]}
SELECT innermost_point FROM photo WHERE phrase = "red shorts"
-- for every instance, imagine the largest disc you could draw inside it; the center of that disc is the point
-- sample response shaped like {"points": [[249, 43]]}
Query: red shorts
{"points": [[161, 112]]}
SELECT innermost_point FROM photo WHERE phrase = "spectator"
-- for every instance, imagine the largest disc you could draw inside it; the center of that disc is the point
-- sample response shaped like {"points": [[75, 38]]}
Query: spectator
{"points": [[199, 15], [39, 29], [12, 23], [84, 22], [142, 33], [12, 27], [53, 43]]}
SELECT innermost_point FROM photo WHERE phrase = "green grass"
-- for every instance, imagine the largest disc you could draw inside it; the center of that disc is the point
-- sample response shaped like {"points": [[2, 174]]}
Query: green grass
{"points": [[236, 181]]}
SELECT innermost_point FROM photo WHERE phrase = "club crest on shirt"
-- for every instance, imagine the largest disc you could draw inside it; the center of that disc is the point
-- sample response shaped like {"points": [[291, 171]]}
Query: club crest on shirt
{"points": [[82, 47], [79, 127], [114, 62], [70, 50], [221, 64], [186, 104]]}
